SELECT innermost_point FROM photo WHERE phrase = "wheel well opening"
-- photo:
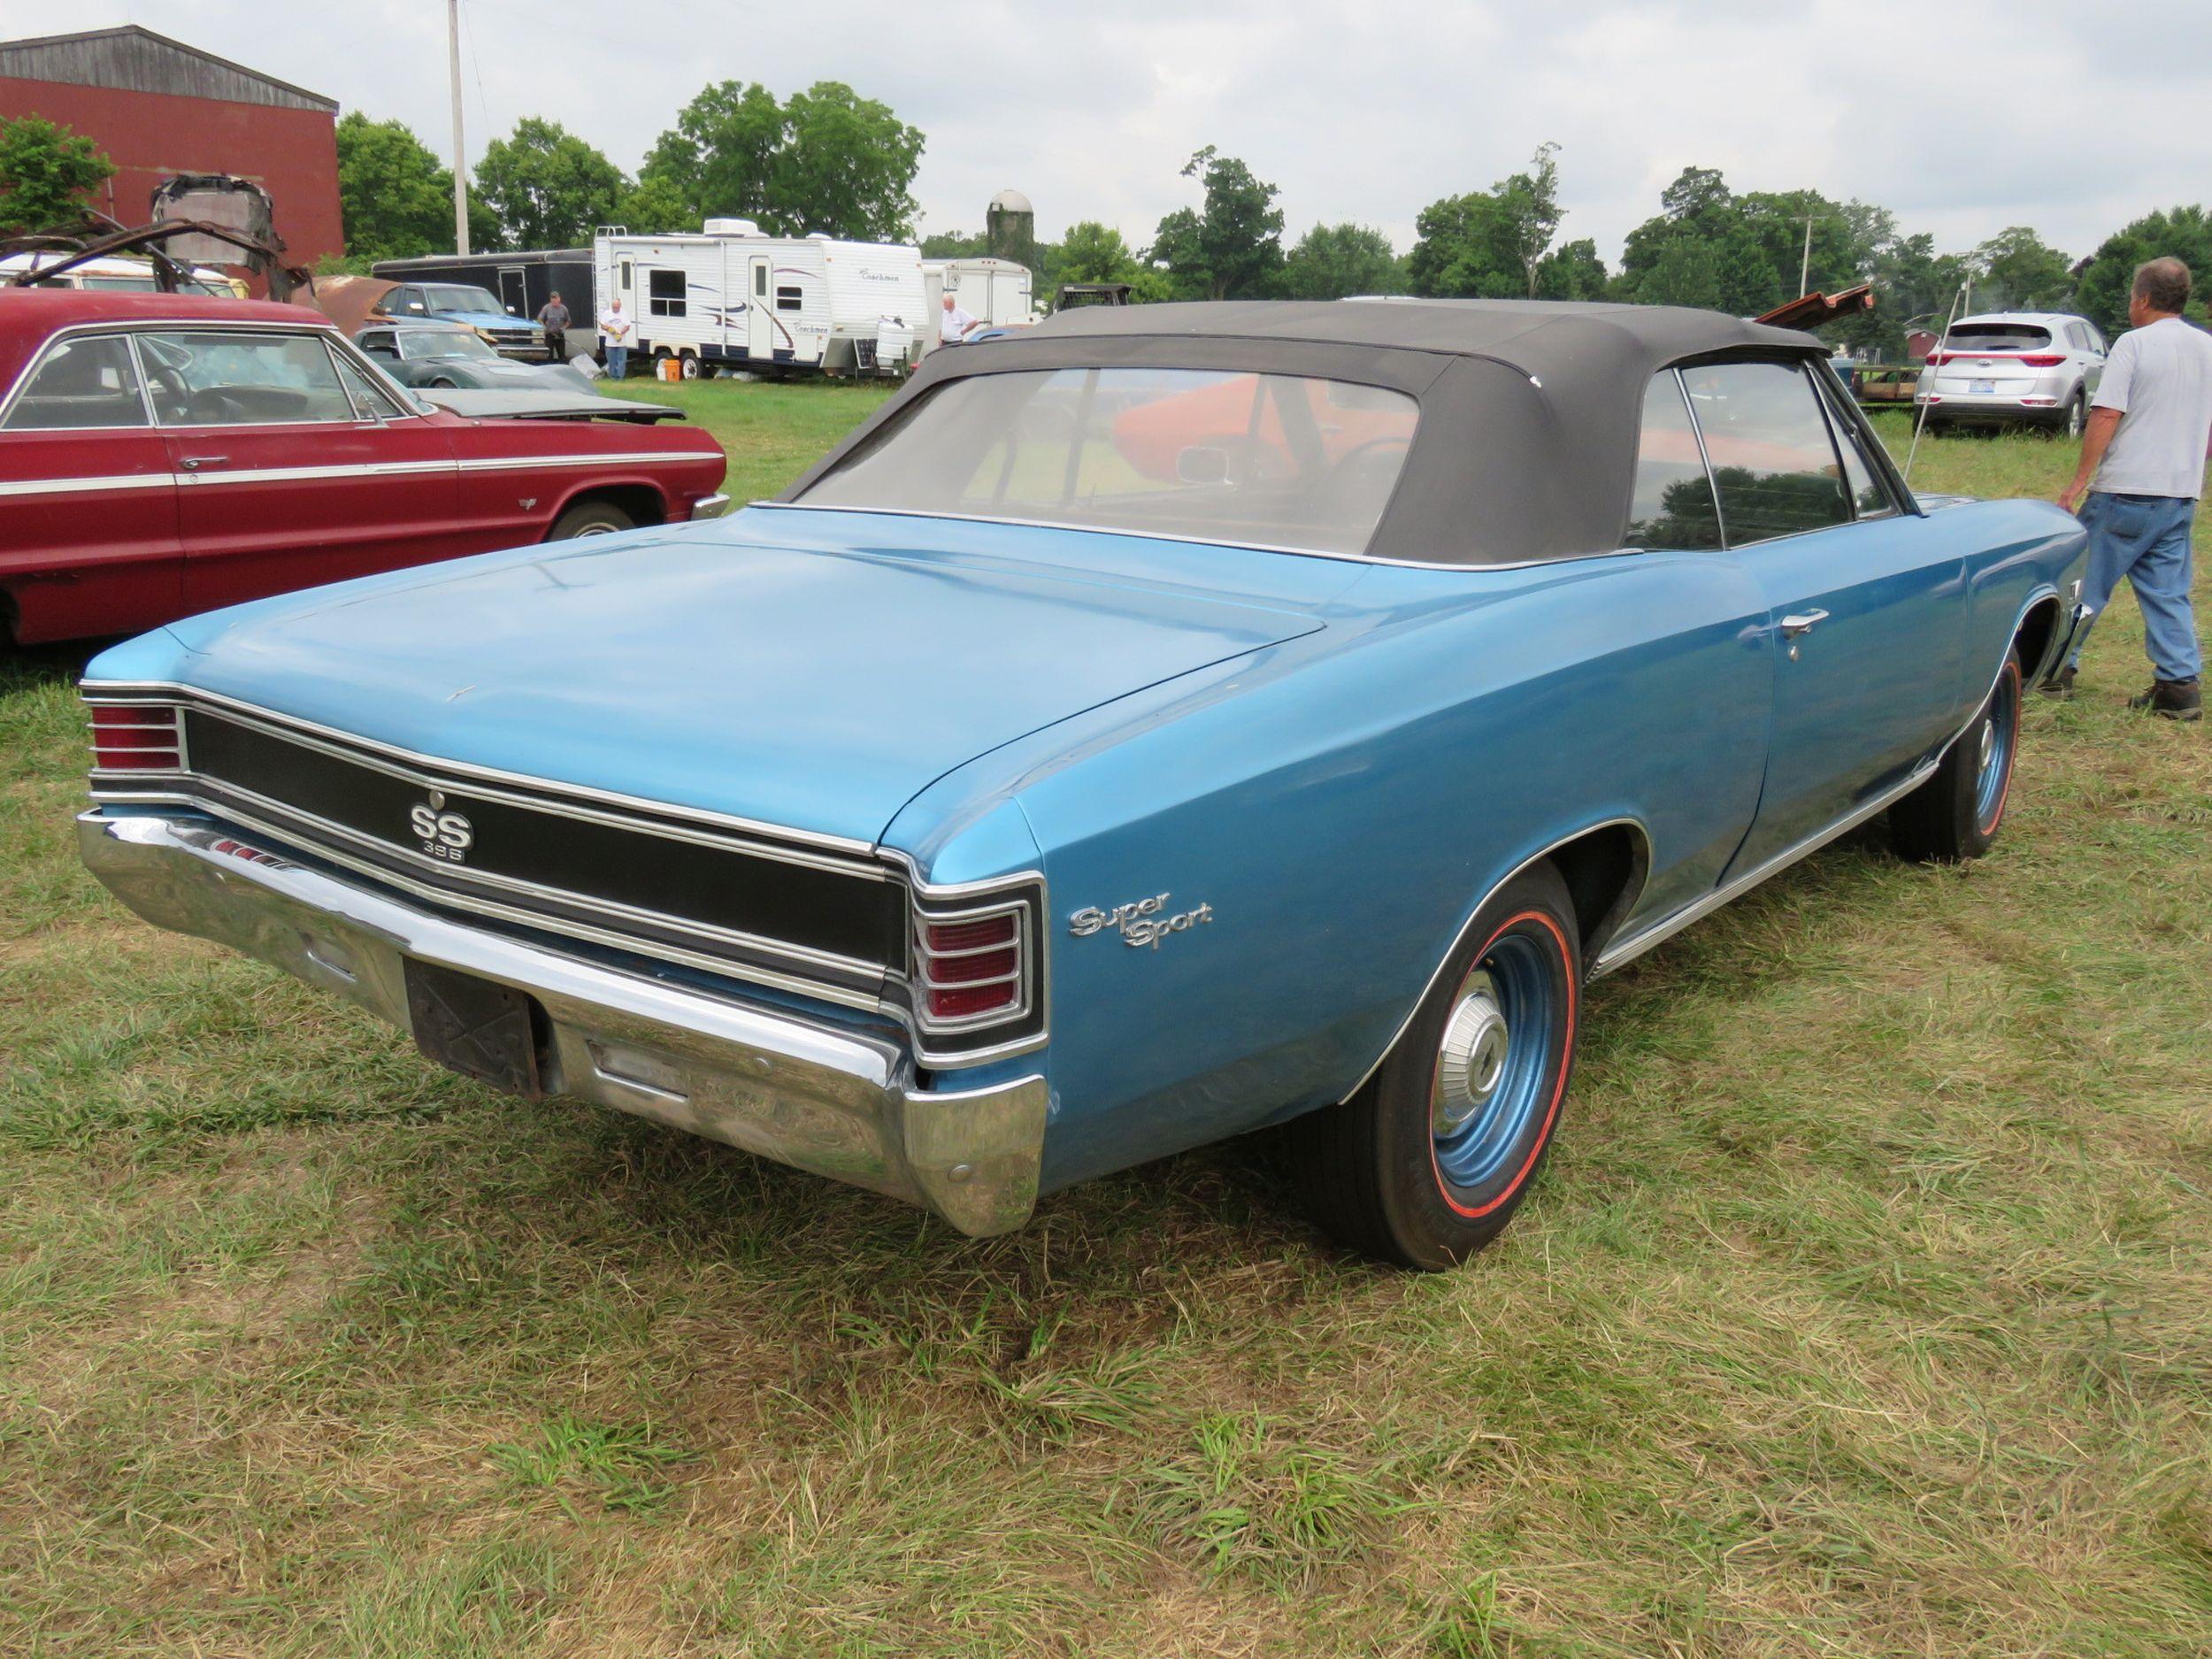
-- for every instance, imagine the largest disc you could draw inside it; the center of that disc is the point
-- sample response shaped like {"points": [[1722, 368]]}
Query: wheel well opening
{"points": [[1603, 872], [640, 501], [2037, 629]]}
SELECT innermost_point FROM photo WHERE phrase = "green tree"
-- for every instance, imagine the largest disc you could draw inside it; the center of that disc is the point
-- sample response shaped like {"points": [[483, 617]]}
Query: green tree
{"points": [[1093, 252], [955, 245], [548, 188], [1493, 244], [1778, 219], [394, 200], [1231, 248], [1704, 247], [827, 159], [2180, 232], [46, 172], [1573, 272], [2018, 270], [1332, 261], [652, 206]]}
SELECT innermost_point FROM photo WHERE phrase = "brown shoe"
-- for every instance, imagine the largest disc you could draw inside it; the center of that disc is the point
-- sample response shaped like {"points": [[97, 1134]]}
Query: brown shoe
{"points": [[2059, 686], [2176, 699]]}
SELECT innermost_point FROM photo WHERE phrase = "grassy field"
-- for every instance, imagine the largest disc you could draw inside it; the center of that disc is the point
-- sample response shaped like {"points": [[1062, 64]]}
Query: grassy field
{"points": [[1865, 1309]]}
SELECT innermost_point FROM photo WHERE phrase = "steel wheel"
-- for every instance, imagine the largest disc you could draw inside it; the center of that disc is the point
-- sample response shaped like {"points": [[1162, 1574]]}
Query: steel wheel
{"points": [[1493, 1064]]}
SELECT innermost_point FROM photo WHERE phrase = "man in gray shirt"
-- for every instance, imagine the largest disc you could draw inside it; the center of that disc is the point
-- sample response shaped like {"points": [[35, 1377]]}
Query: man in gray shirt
{"points": [[2145, 447]]}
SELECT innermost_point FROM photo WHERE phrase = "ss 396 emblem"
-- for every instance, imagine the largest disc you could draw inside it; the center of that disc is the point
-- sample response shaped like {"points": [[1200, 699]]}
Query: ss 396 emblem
{"points": [[444, 835], [1142, 923]]}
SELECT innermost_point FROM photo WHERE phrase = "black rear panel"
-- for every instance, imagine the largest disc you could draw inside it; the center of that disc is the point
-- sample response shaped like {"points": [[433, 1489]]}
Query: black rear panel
{"points": [[575, 859]]}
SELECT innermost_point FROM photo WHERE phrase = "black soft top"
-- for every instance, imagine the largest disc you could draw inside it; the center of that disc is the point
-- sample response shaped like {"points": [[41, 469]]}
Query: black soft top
{"points": [[1529, 409]]}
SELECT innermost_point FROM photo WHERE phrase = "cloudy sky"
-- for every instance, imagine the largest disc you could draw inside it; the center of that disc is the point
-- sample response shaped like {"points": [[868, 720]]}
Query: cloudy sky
{"points": [[1961, 116]]}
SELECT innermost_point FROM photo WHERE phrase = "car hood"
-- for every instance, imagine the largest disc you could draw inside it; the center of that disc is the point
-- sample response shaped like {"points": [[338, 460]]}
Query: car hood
{"points": [[818, 678]]}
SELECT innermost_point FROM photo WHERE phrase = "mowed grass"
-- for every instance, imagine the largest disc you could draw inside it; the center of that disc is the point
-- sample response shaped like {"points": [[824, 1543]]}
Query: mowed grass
{"points": [[1865, 1309]]}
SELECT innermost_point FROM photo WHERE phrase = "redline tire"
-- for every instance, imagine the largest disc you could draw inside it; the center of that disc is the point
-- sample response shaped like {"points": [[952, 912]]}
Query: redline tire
{"points": [[1429, 1161]]}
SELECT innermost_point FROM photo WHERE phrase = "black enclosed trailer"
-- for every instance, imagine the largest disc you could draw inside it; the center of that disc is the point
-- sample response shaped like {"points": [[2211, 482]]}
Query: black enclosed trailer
{"points": [[523, 282]]}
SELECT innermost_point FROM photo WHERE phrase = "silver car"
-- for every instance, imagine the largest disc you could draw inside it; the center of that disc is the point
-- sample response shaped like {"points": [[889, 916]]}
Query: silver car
{"points": [[2039, 367]]}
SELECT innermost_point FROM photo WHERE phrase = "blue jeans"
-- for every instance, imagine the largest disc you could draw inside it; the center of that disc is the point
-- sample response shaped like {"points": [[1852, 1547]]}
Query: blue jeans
{"points": [[2146, 539], [618, 361]]}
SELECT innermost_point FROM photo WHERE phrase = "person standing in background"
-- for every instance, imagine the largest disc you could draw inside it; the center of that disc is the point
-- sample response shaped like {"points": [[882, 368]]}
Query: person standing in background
{"points": [[955, 324], [616, 332], [2145, 447], [553, 317]]}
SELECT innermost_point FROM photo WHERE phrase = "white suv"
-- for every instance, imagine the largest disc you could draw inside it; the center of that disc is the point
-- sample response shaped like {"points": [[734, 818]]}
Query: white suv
{"points": [[2037, 367]]}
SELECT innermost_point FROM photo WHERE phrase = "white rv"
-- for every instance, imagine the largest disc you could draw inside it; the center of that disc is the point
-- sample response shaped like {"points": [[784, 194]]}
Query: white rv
{"points": [[734, 298], [992, 291]]}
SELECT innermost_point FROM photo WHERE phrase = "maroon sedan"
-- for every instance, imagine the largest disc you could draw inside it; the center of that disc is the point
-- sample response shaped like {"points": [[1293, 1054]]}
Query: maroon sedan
{"points": [[162, 455]]}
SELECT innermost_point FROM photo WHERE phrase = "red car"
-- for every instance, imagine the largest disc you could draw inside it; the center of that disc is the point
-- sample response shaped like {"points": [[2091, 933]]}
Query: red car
{"points": [[162, 455]]}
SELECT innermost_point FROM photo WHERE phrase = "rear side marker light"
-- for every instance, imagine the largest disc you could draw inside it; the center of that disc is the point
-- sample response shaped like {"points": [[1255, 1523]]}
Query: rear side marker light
{"points": [[971, 969], [136, 737], [2041, 362]]}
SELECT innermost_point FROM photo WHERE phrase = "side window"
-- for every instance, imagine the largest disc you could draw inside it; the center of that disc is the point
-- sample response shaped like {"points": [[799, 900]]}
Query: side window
{"points": [[625, 269], [213, 379], [1772, 460], [760, 281], [81, 383], [407, 303], [788, 299], [665, 293], [369, 402], [380, 344], [1869, 498], [1672, 506]]}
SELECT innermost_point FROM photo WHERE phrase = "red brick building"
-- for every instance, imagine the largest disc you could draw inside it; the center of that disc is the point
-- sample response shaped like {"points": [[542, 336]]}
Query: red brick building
{"points": [[158, 108]]}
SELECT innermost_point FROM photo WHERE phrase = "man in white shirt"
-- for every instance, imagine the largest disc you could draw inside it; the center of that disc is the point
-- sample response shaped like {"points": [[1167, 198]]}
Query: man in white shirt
{"points": [[2144, 446], [618, 333], [953, 326]]}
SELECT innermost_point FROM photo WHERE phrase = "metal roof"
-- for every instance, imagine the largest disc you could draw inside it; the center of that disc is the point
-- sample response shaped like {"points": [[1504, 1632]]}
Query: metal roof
{"points": [[134, 59]]}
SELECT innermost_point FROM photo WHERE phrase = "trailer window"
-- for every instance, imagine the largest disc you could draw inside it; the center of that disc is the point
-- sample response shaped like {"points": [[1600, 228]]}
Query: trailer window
{"points": [[665, 293], [788, 299], [625, 276], [1271, 460], [760, 281]]}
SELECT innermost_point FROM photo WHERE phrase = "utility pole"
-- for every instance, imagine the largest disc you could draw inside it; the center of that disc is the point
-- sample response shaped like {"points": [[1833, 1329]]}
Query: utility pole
{"points": [[460, 153]]}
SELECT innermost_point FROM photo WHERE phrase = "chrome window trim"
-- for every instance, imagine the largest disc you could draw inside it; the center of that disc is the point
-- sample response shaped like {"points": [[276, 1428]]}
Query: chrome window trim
{"points": [[1198, 541], [464, 774], [153, 326], [47, 348]]}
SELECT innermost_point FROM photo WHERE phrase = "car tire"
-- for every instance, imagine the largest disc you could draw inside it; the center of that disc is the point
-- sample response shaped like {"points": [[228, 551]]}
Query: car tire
{"points": [[691, 368], [441, 383], [1955, 814], [591, 517], [1427, 1163], [2076, 415]]}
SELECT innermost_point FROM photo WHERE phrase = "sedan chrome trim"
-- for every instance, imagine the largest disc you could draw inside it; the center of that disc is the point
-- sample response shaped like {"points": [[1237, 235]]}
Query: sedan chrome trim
{"points": [[88, 486]]}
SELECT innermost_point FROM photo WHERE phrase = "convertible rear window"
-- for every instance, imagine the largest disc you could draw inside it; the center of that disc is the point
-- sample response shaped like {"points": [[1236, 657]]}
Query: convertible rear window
{"points": [[1275, 460]]}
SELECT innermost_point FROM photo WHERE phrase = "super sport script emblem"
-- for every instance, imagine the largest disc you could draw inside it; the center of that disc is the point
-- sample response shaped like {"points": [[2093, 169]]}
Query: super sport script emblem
{"points": [[444, 835]]}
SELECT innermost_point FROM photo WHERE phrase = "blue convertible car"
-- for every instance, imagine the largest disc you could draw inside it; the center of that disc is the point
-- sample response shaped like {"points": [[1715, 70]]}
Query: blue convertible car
{"points": [[1176, 721]]}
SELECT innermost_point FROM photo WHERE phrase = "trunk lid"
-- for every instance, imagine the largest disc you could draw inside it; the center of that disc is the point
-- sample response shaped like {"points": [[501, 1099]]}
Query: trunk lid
{"points": [[818, 678]]}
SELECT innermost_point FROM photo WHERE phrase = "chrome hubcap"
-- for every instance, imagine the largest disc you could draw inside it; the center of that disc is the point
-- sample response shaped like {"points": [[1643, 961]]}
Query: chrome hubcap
{"points": [[1989, 745], [1476, 1042]]}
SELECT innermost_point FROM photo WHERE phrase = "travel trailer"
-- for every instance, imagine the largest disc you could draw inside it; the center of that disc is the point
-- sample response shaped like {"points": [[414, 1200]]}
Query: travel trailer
{"points": [[734, 298], [993, 291], [112, 275]]}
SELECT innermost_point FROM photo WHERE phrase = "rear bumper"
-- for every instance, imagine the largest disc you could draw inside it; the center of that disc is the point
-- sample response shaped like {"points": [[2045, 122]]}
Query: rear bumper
{"points": [[714, 506], [810, 1096]]}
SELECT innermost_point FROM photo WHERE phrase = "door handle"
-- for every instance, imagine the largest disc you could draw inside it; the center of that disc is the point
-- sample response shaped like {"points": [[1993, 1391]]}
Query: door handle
{"points": [[1801, 622], [194, 463]]}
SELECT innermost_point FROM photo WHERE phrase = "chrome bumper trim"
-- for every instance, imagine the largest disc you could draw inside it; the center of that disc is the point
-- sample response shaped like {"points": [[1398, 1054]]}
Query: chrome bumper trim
{"points": [[710, 507], [810, 1096]]}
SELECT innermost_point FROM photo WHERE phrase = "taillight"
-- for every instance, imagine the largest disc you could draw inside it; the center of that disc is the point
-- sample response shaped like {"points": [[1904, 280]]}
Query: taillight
{"points": [[1937, 359], [2045, 361], [972, 968], [138, 737]]}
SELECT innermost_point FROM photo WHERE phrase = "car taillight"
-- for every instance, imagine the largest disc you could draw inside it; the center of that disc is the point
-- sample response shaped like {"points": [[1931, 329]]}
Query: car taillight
{"points": [[972, 968], [138, 737], [1937, 359], [2045, 360]]}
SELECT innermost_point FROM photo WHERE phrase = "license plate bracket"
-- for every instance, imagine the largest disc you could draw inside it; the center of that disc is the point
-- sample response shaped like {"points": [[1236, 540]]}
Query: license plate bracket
{"points": [[477, 1027], [1985, 388]]}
